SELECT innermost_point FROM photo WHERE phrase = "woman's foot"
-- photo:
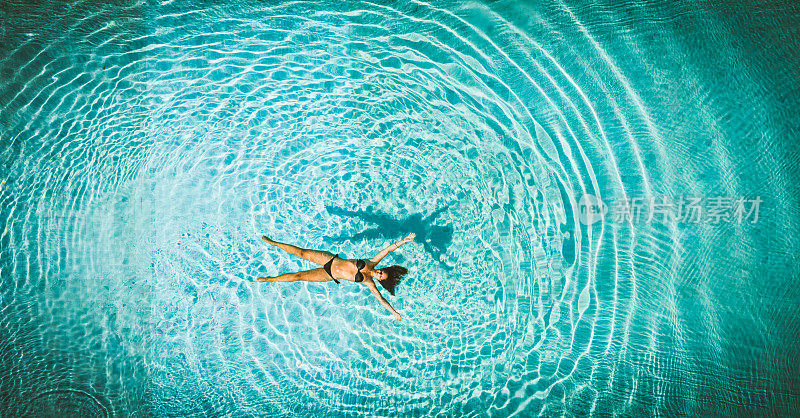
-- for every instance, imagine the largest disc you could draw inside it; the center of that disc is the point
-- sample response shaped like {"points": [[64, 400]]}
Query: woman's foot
{"points": [[267, 240]]}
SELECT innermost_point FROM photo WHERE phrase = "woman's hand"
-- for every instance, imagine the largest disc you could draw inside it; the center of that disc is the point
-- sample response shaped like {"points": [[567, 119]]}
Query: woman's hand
{"points": [[409, 238]]}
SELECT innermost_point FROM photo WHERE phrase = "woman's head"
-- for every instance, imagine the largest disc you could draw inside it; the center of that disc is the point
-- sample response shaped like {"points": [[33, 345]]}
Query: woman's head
{"points": [[389, 277], [378, 274]]}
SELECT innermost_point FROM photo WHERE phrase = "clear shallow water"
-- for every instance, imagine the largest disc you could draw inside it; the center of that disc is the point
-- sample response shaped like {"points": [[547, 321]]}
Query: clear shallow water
{"points": [[146, 147]]}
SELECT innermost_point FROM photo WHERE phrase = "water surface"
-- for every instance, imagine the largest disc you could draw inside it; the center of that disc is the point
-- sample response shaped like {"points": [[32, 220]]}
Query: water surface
{"points": [[146, 146]]}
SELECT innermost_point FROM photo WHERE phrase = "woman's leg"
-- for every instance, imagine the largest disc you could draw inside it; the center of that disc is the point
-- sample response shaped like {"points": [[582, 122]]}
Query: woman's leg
{"points": [[313, 275], [319, 257]]}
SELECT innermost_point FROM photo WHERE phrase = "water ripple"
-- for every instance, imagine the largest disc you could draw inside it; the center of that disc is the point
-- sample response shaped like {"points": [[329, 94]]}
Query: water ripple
{"points": [[147, 146]]}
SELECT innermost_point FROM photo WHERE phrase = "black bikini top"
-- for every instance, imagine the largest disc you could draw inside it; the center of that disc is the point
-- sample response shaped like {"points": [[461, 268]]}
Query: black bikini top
{"points": [[360, 264]]}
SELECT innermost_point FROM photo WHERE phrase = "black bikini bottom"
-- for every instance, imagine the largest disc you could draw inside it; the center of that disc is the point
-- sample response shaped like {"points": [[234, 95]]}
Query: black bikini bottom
{"points": [[327, 268]]}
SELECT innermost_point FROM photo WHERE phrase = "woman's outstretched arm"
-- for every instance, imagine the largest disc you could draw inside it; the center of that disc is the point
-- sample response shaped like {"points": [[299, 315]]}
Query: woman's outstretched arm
{"points": [[375, 292], [377, 259]]}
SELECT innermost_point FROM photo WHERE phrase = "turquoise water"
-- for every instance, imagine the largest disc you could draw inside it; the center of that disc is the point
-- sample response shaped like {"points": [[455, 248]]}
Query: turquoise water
{"points": [[146, 146]]}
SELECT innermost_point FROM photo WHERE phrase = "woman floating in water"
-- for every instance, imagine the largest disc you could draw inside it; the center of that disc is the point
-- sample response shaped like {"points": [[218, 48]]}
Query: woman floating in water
{"points": [[334, 268]]}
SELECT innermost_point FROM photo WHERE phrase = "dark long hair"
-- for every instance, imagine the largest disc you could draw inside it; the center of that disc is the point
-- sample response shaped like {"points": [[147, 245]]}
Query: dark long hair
{"points": [[394, 275]]}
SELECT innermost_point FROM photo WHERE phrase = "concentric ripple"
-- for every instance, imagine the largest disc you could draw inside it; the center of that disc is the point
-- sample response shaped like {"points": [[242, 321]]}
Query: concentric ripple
{"points": [[63, 402], [147, 146]]}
